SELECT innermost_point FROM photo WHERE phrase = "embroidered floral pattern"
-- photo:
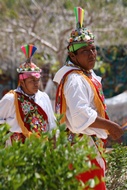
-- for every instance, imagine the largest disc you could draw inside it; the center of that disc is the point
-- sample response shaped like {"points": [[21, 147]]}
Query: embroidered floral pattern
{"points": [[32, 116], [26, 107], [18, 137]]}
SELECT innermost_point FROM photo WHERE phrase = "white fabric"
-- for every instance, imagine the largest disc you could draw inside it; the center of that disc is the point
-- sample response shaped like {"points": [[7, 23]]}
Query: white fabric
{"points": [[50, 89], [81, 111], [8, 112], [117, 108]]}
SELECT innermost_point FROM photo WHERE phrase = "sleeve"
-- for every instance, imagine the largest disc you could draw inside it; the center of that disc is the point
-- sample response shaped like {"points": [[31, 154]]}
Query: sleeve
{"points": [[6, 104], [80, 106]]}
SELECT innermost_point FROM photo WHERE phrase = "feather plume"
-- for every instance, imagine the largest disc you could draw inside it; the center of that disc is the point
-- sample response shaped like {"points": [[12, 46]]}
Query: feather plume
{"points": [[28, 50], [79, 13]]}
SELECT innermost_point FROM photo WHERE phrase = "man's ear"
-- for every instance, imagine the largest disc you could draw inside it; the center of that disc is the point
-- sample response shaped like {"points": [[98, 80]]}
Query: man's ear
{"points": [[21, 83], [71, 55]]}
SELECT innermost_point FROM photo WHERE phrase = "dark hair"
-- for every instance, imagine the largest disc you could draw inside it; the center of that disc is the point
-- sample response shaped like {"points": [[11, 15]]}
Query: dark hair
{"points": [[75, 52]]}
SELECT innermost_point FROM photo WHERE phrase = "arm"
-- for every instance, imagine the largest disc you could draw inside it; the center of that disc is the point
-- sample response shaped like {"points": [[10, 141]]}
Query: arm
{"points": [[115, 131], [6, 107]]}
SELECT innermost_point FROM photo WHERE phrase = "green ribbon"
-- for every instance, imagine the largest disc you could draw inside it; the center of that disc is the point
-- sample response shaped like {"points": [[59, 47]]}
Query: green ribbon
{"points": [[75, 47]]}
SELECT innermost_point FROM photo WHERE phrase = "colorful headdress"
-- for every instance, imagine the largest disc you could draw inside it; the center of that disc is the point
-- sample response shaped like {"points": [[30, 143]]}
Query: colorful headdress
{"points": [[81, 36], [28, 66]]}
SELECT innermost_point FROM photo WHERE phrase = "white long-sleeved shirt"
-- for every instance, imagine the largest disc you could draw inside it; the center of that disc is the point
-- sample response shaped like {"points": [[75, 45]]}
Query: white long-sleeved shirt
{"points": [[81, 111]]}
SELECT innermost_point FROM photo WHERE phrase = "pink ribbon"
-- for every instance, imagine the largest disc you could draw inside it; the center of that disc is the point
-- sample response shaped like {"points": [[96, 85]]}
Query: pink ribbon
{"points": [[27, 75]]}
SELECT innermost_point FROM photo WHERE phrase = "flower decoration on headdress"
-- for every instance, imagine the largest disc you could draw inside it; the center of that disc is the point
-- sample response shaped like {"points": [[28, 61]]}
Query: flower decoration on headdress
{"points": [[80, 36], [28, 66]]}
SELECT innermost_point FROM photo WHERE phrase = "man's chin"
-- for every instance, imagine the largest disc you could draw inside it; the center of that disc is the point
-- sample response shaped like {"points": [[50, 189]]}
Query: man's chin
{"points": [[91, 66], [35, 91]]}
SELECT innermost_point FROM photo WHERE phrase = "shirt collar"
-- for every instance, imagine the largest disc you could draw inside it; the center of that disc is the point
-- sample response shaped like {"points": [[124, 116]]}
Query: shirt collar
{"points": [[21, 91], [69, 63]]}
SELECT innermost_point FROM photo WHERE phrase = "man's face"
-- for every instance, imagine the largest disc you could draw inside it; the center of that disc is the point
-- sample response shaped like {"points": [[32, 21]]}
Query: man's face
{"points": [[85, 57], [30, 85]]}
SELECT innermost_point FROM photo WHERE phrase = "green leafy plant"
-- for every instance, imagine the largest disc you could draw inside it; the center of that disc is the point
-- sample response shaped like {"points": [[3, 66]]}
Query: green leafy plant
{"points": [[44, 164], [116, 175]]}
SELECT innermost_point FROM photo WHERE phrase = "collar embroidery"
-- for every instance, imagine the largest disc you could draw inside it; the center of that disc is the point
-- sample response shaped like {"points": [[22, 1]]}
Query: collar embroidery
{"points": [[29, 96]]}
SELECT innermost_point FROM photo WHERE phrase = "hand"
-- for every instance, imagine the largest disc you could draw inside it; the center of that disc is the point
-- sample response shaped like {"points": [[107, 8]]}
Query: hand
{"points": [[115, 131]]}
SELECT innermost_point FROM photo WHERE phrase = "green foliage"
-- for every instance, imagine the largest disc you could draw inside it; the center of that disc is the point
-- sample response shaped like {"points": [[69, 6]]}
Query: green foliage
{"points": [[116, 175], [7, 8], [44, 164], [3, 135], [111, 65], [40, 164]]}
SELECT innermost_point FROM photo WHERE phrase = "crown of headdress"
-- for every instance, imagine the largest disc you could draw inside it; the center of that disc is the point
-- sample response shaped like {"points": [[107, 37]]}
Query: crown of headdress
{"points": [[80, 36], [28, 66]]}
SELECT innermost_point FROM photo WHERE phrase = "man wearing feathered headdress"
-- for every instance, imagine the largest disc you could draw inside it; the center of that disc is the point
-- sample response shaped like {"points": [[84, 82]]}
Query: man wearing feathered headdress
{"points": [[80, 98], [26, 109]]}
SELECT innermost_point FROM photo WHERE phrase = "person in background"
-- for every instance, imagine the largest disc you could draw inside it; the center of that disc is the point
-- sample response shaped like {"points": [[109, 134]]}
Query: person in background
{"points": [[26, 109], [50, 89], [81, 100]]}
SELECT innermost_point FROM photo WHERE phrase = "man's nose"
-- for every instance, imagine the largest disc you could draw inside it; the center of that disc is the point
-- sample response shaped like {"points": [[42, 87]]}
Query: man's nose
{"points": [[36, 83], [91, 51]]}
